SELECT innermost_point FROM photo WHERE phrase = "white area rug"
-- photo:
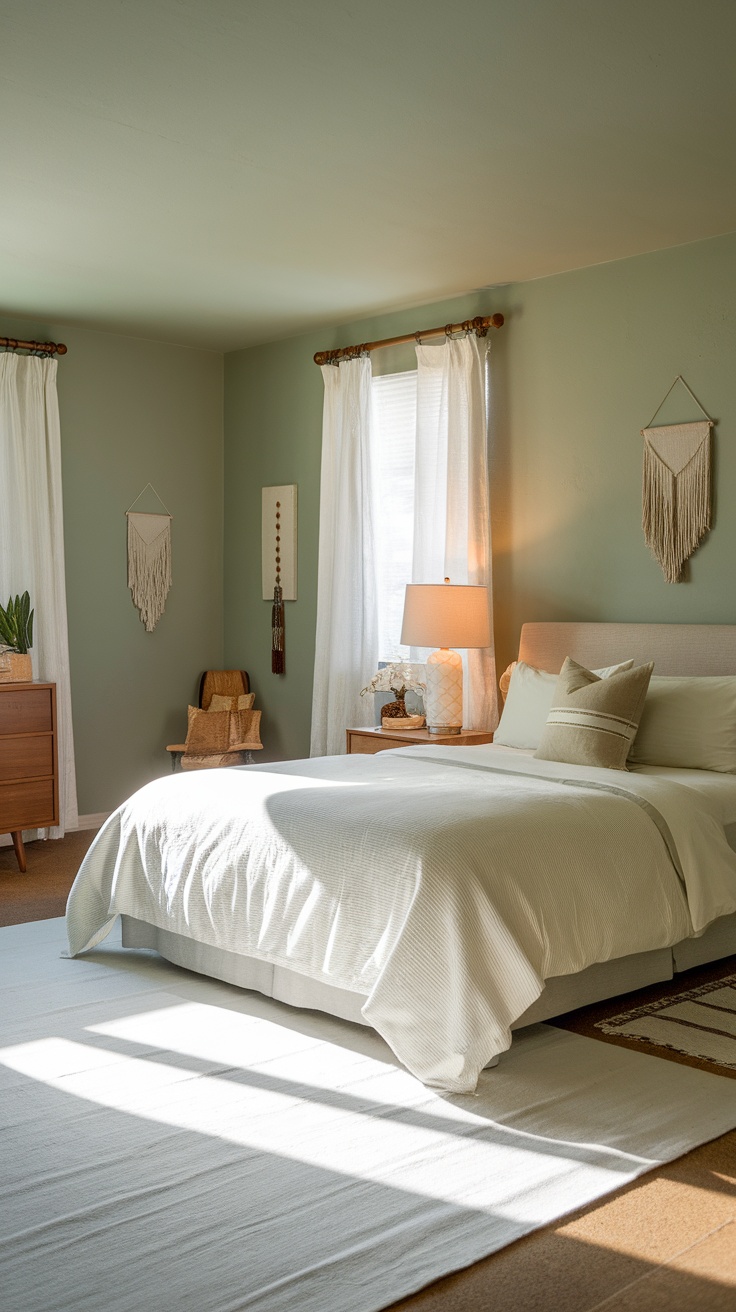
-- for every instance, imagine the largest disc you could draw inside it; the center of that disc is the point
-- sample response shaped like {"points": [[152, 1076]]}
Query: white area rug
{"points": [[700, 1022], [170, 1142]]}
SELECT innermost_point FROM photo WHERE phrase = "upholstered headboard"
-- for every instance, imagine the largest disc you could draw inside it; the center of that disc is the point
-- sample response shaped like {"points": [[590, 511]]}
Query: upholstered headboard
{"points": [[674, 648]]}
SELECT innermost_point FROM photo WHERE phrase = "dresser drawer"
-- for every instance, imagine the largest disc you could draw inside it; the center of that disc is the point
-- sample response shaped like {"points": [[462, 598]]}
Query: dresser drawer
{"points": [[27, 804], [26, 757], [26, 711]]}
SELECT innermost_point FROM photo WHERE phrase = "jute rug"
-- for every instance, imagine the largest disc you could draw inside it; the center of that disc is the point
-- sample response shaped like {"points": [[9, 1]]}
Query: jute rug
{"points": [[170, 1142]]}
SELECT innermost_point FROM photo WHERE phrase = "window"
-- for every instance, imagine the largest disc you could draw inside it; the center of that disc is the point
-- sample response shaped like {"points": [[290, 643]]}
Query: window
{"points": [[395, 452], [412, 448], [395, 418]]}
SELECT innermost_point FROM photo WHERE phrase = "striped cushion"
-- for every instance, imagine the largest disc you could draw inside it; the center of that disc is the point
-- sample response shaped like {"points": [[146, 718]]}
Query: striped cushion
{"points": [[594, 721]]}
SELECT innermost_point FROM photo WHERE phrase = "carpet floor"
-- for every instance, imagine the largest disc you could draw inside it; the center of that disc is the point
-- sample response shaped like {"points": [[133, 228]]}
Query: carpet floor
{"points": [[667, 1241], [41, 893]]}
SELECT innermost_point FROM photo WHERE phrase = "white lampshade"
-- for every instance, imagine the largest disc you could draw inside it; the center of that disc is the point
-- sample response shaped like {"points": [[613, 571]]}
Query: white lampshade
{"points": [[446, 615]]}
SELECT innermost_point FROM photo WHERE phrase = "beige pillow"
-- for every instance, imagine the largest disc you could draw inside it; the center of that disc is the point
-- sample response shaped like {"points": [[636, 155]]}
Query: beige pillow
{"points": [[220, 702], [594, 721], [688, 722], [529, 698]]}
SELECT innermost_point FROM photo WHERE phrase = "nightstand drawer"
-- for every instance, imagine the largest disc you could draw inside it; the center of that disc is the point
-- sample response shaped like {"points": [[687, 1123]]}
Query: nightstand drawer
{"points": [[27, 804], [366, 746], [29, 710], [26, 757]]}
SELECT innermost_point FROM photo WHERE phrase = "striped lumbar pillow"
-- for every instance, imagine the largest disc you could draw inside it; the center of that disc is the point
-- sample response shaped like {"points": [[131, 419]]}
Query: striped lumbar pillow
{"points": [[594, 721]]}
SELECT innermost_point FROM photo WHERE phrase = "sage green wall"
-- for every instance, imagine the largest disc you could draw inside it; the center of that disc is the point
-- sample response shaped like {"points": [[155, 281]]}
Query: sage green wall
{"points": [[585, 359], [134, 411], [580, 366]]}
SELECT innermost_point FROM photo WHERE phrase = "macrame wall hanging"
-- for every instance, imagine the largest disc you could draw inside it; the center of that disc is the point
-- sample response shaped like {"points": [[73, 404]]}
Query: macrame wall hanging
{"points": [[278, 562], [676, 497], [149, 560]]}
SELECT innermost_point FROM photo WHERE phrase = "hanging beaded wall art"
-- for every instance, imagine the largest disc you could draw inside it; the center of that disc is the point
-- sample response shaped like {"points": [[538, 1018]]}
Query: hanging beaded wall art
{"points": [[278, 561]]}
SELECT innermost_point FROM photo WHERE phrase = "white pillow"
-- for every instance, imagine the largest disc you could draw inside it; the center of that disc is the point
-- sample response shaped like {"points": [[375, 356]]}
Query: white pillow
{"points": [[688, 722], [529, 702]]}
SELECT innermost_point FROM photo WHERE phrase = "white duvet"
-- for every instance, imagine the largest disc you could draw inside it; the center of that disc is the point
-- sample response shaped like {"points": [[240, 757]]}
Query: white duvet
{"points": [[444, 883]]}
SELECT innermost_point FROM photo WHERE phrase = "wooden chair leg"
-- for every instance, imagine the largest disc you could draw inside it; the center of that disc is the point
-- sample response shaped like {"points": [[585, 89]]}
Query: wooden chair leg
{"points": [[20, 851]]}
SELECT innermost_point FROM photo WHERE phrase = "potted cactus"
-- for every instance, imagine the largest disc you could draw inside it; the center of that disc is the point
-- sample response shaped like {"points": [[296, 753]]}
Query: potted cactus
{"points": [[16, 637]]}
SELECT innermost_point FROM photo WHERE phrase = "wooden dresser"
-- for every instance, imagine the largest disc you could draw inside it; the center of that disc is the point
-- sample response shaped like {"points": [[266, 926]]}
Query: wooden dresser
{"points": [[29, 775]]}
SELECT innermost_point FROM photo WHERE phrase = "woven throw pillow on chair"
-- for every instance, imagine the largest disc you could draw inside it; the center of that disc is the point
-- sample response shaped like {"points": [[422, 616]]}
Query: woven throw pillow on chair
{"points": [[245, 728], [223, 683], [219, 738], [208, 732], [218, 702]]}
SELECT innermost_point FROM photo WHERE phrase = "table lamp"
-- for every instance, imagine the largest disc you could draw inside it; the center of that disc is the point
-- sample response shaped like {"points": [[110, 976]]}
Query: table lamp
{"points": [[445, 615]]}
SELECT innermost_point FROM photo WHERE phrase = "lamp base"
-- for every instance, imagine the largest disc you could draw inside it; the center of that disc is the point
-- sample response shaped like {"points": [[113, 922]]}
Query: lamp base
{"points": [[444, 697]]}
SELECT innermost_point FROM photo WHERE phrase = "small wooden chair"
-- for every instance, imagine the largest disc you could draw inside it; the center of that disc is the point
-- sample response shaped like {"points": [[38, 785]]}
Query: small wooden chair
{"points": [[226, 683]]}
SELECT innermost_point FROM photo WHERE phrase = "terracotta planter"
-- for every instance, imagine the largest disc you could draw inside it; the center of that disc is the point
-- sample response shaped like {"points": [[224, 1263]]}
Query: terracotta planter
{"points": [[15, 668]]}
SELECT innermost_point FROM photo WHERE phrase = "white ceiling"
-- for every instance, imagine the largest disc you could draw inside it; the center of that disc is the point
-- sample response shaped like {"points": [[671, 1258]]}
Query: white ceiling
{"points": [[225, 172]]}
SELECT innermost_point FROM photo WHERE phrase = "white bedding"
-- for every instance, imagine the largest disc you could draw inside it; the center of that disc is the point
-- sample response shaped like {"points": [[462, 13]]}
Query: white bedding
{"points": [[445, 883]]}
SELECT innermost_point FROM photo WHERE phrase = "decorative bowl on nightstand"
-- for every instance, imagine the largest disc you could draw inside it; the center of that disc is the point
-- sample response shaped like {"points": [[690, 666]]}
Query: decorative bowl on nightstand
{"points": [[402, 722]]}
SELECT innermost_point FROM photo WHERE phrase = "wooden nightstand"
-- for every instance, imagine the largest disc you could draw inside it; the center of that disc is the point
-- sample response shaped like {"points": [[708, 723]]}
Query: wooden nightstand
{"points": [[368, 741]]}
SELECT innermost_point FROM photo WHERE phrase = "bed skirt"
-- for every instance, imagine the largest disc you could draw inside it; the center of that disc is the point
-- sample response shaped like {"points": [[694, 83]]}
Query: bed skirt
{"points": [[562, 993], [246, 972]]}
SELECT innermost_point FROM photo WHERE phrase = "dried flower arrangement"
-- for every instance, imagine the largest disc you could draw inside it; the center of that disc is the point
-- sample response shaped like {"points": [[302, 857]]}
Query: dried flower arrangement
{"points": [[398, 677]]}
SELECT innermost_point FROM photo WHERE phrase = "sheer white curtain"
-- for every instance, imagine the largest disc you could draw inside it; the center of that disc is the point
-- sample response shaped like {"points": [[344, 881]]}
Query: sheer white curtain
{"points": [[32, 537], [452, 517], [347, 631]]}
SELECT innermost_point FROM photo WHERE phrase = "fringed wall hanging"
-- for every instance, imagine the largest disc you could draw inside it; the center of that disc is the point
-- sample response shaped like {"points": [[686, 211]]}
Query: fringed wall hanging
{"points": [[676, 496], [149, 560], [278, 562], [278, 632]]}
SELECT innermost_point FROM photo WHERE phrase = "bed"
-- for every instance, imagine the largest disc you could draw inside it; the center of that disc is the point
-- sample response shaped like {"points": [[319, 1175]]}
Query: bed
{"points": [[443, 895]]}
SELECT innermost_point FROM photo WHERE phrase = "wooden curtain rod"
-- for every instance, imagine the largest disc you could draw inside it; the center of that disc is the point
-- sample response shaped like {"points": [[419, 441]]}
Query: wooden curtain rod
{"points": [[479, 326], [40, 348]]}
